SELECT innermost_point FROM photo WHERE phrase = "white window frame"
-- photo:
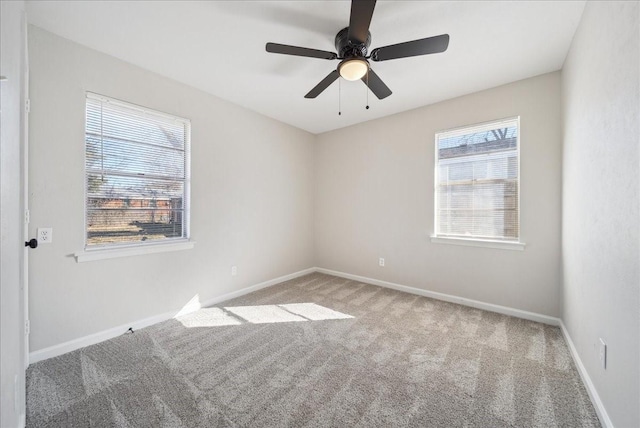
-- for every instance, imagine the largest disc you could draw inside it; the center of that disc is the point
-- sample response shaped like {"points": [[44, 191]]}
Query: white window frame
{"points": [[474, 241], [116, 250]]}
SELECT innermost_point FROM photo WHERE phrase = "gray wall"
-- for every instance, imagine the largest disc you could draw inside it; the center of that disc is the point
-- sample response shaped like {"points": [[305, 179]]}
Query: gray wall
{"points": [[600, 201], [252, 198], [263, 192], [12, 362], [374, 198]]}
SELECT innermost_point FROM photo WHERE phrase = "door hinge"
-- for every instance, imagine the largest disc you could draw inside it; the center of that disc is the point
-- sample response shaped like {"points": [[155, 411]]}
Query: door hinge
{"points": [[27, 327], [27, 105], [27, 217]]}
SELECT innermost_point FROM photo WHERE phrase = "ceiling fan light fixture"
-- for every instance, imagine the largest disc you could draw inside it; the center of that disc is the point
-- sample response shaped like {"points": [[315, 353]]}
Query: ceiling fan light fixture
{"points": [[353, 69]]}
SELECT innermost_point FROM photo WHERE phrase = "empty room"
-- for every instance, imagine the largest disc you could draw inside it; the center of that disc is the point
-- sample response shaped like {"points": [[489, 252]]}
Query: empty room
{"points": [[341, 213]]}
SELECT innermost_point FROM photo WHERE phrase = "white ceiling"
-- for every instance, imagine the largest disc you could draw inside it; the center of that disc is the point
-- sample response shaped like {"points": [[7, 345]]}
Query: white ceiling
{"points": [[219, 47]]}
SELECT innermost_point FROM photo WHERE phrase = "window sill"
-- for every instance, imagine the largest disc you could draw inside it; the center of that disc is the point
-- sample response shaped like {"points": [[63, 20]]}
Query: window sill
{"points": [[112, 253], [486, 243]]}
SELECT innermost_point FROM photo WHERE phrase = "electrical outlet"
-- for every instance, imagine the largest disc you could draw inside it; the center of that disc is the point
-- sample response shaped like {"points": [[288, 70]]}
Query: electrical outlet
{"points": [[603, 354], [381, 262], [45, 235], [234, 270]]}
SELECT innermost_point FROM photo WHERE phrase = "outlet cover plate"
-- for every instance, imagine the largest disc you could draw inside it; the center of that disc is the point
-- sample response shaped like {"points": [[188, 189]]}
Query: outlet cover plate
{"points": [[45, 235], [603, 353]]}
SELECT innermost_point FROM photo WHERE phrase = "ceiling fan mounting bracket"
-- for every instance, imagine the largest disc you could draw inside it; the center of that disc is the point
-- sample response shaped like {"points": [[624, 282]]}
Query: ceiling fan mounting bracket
{"points": [[347, 49]]}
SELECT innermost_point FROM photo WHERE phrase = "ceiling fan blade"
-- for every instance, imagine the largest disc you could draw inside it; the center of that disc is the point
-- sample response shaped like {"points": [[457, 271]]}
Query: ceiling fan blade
{"points": [[377, 86], [324, 84], [430, 45], [361, 13], [295, 50]]}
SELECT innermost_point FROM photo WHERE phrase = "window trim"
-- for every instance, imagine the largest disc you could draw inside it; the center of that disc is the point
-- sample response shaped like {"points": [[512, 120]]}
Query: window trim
{"points": [[476, 241], [114, 250], [102, 253]]}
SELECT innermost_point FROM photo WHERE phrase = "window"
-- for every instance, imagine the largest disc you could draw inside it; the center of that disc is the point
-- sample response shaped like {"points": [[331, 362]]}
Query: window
{"points": [[137, 175], [477, 182]]}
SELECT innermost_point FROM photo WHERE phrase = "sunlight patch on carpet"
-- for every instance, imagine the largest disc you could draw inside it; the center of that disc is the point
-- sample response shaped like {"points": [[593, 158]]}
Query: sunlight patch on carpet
{"points": [[293, 312], [259, 314], [208, 317]]}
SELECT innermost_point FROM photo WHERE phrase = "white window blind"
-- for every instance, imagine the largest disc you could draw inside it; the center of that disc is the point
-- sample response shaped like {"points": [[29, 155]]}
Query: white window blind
{"points": [[477, 188], [137, 174]]}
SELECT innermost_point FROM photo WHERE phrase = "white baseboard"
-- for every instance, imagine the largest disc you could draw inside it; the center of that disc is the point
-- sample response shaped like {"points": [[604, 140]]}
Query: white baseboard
{"points": [[63, 348], [532, 316], [81, 342], [257, 287], [92, 339], [586, 380]]}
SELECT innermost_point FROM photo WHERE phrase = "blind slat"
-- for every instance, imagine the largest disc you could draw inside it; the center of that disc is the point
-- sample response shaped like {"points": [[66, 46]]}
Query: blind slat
{"points": [[137, 174], [477, 189]]}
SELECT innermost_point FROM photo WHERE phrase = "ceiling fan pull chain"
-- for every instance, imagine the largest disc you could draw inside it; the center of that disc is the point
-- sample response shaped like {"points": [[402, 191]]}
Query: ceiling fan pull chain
{"points": [[339, 97], [368, 68]]}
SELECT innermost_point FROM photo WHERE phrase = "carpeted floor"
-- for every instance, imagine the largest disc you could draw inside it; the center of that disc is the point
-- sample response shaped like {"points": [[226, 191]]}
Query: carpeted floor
{"points": [[318, 351]]}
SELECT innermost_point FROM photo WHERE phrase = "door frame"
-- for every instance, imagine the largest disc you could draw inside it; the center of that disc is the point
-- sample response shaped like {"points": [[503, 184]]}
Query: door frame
{"points": [[13, 116], [25, 186]]}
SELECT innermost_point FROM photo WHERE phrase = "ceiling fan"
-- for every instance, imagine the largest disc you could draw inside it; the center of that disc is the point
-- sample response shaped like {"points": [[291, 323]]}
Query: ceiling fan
{"points": [[352, 44]]}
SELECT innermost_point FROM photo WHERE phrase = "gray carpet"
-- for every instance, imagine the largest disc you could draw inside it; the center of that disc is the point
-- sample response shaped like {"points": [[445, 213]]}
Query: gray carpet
{"points": [[318, 351]]}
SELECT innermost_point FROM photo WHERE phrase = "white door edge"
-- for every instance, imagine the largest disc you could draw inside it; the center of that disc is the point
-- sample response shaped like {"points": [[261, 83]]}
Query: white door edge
{"points": [[25, 189]]}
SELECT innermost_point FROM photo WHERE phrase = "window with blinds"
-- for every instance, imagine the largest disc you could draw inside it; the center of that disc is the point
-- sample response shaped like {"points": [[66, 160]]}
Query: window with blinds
{"points": [[477, 182], [137, 174]]}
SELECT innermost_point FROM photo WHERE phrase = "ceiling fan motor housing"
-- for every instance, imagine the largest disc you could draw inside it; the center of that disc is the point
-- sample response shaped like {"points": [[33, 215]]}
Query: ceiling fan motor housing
{"points": [[350, 50]]}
